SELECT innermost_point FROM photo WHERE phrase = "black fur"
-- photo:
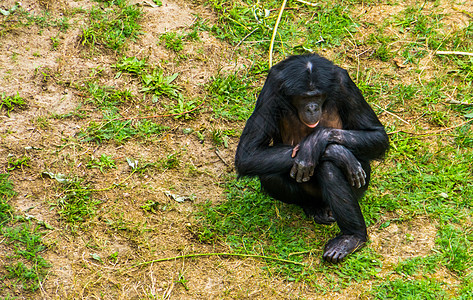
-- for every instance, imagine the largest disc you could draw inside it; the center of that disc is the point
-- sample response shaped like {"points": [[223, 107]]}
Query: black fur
{"points": [[339, 157]]}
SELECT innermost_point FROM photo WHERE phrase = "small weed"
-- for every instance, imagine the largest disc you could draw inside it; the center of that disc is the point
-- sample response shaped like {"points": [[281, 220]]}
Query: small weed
{"points": [[119, 130], [183, 281], [410, 289], [11, 102], [54, 43], [181, 108], [6, 192], [171, 161], [104, 162], [130, 65], [113, 26], [232, 97], [160, 85], [76, 203], [221, 137], [139, 166], [114, 257], [150, 206], [42, 122], [17, 163], [172, 41], [77, 113]]}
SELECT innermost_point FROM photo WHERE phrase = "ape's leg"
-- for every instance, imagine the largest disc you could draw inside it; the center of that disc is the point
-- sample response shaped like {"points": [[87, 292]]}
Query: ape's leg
{"points": [[343, 201], [307, 195]]}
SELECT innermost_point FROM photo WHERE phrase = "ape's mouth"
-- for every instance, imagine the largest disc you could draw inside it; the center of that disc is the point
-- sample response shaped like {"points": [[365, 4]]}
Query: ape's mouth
{"points": [[312, 125]]}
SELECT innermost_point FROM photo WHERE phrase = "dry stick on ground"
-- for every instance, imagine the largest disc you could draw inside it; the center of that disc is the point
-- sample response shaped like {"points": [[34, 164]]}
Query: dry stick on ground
{"points": [[308, 3], [242, 40], [273, 37], [463, 11], [433, 131], [213, 254], [162, 116], [394, 115], [453, 101], [221, 158], [275, 30], [453, 53]]}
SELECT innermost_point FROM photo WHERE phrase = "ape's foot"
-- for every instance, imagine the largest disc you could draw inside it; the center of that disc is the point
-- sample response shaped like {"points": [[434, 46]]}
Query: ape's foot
{"points": [[338, 248], [320, 215]]}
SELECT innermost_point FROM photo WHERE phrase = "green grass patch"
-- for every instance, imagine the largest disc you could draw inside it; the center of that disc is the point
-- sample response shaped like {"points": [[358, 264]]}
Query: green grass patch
{"points": [[76, 203], [233, 97], [253, 22], [411, 289], [24, 268], [16, 17], [6, 193], [119, 130], [104, 162], [253, 223], [112, 26], [107, 98], [10, 103]]}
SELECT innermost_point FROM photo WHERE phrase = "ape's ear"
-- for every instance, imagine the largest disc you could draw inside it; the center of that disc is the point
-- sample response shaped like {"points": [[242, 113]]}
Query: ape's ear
{"points": [[347, 88], [352, 106], [271, 98]]}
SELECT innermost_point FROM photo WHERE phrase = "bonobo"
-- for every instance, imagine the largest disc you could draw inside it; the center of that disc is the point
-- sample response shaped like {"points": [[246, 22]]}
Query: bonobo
{"points": [[310, 141]]}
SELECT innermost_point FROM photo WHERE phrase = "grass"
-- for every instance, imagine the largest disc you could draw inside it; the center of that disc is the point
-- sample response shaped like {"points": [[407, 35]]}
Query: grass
{"points": [[17, 17], [232, 96], [112, 26], [22, 245], [179, 141], [119, 130], [102, 163], [9, 103]]}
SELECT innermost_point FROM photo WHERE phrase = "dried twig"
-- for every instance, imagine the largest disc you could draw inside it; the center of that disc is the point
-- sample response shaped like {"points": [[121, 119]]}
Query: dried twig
{"points": [[394, 115], [275, 30], [221, 158], [453, 53], [432, 131], [215, 254], [462, 11], [308, 3], [453, 101], [162, 116]]}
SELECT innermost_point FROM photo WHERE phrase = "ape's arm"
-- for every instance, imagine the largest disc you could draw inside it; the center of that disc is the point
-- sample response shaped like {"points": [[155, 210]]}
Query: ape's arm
{"points": [[362, 132], [255, 156]]}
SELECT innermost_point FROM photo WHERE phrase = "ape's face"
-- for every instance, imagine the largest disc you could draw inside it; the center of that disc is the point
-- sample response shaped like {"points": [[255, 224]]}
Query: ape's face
{"points": [[309, 109]]}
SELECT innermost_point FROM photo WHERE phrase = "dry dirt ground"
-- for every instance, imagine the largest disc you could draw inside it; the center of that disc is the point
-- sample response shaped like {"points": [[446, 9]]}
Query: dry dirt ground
{"points": [[46, 79]]}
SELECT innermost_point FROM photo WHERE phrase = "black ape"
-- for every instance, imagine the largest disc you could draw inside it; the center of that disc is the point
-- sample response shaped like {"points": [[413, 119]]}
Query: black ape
{"points": [[310, 140]]}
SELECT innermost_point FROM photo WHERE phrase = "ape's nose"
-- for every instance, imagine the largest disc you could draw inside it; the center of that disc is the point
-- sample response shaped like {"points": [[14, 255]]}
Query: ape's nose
{"points": [[312, 108]]}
